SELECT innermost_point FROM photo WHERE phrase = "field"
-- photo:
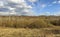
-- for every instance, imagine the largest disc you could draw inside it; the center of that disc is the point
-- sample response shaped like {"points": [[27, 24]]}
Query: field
{"points": [[29, 26]]}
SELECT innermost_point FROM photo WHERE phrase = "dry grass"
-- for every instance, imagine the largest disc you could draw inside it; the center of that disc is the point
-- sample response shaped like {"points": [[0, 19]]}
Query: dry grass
{"points": [[23, 22], [21, 32], [27, 27]]}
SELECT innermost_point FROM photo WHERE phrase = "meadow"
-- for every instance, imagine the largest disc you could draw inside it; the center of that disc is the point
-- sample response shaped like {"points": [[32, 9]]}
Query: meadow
{"points": [[29, 26]]}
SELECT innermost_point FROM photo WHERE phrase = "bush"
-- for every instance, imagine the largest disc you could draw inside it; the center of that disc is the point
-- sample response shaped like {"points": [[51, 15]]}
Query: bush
{"points": [[55, 22]]}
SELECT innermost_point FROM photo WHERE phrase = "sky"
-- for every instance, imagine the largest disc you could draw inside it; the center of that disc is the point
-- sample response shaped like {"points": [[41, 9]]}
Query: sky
{"points": [[30, 7]]}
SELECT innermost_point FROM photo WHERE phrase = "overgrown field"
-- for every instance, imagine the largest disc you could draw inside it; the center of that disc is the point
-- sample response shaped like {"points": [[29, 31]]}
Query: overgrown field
{"points": [[21, 32], [28, 22], [29, 26]]}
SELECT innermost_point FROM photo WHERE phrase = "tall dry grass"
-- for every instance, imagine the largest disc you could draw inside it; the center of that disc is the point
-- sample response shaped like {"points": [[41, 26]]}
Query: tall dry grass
{"points": [[23, 22], [18, 26], [21, 32]]}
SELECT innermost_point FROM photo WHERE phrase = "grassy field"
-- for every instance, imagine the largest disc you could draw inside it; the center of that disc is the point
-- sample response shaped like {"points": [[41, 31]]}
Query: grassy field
{"points": [[28, 26], [21, 32], [24, 22]]}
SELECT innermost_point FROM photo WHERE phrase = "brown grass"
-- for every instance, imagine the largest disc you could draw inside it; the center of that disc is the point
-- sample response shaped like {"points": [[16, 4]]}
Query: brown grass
{"points": [[23, 22], [21, 32], [17, 26]]}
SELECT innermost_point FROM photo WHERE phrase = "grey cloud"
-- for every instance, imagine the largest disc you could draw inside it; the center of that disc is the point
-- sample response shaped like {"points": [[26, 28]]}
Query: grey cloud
{"points": [[19, 7], [4, 9], [11, 4]]}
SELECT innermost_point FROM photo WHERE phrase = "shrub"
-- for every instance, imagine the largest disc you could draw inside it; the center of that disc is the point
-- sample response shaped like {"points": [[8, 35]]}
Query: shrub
{"points": [[55, 22]]}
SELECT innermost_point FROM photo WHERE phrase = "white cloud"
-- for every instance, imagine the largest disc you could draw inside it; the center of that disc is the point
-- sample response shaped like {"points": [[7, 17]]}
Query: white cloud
{"points": [[17, 1], [32, 0], [30, 6], [13, 13], [11, 8], [48, 13], [2, 13], [18, 7], [43, 5], [59, 1], [25, 10], [8, 13], [1, 3], [57, 13], [45, 13], [54, 2]]}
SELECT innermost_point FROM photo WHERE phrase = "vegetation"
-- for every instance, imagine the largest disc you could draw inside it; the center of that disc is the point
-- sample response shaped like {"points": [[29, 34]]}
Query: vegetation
{"points": [[29, 21], [24, 22], [21, 32], [29, 26]]}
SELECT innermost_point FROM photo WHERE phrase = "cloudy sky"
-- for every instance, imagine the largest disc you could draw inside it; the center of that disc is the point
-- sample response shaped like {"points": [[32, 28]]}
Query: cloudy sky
{"points": [[30, 7]]}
